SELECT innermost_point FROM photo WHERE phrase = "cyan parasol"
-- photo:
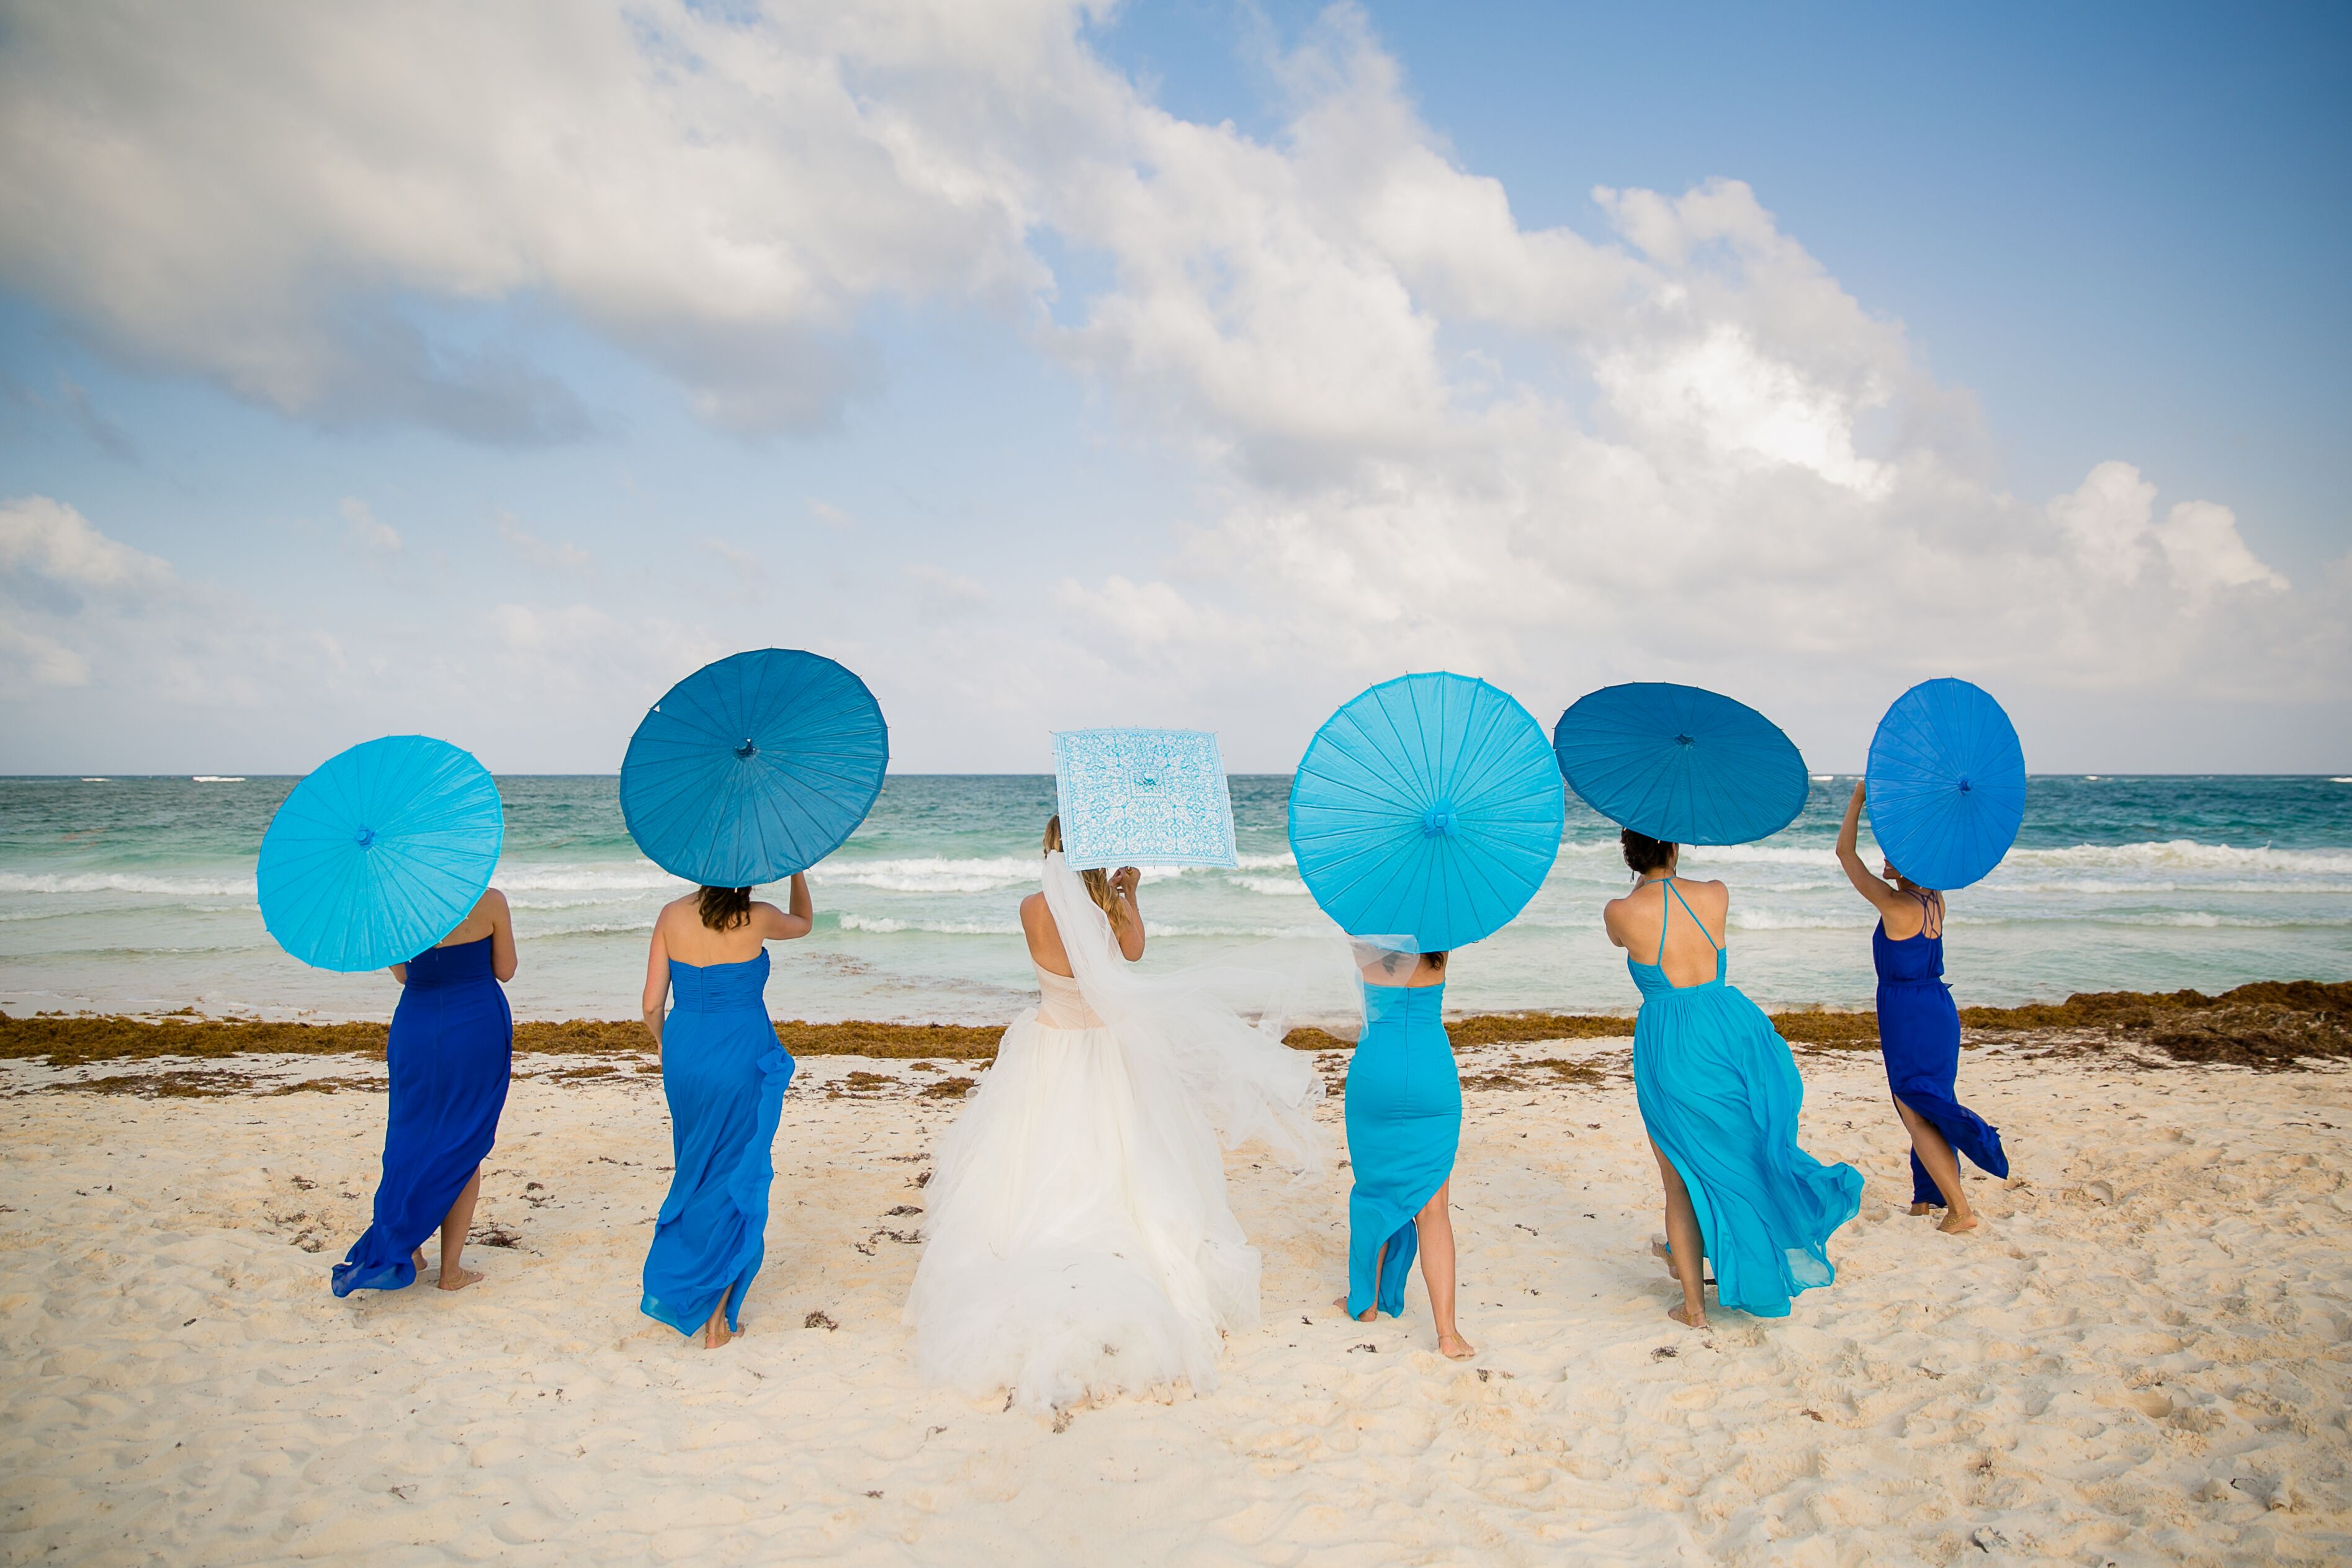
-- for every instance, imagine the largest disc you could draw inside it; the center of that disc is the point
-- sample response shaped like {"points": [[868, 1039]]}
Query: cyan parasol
{"points": [[380, 854], [1427, 807], [1945, 784], [1142, 797], [753, 767], [1681, 763]]}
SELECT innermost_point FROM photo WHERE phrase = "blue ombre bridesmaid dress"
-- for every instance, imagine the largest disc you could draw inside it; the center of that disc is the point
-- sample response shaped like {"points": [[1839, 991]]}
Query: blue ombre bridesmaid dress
{"points": [[724, 1075], [1919, 1036], [1404, 1124], [450, 1056], [1720, 1094]]}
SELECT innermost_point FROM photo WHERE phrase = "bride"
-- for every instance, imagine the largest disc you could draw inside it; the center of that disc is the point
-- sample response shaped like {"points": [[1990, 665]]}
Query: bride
{"points": [[1079, 1243]]}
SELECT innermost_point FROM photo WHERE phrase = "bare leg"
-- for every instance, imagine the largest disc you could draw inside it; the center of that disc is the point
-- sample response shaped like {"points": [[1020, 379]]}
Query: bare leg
{"points": [[1434, 1226], [1943, 1169], [716, 1333], [1688, 1259], [455, 1275], [1379, 1259]]}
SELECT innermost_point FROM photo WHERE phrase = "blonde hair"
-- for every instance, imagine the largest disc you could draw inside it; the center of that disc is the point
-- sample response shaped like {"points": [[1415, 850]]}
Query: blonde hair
{"points": [[1098, 880]]}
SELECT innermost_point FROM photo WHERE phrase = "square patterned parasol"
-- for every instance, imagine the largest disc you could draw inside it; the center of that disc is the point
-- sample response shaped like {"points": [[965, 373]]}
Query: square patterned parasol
{"points": [[1142, 797]]}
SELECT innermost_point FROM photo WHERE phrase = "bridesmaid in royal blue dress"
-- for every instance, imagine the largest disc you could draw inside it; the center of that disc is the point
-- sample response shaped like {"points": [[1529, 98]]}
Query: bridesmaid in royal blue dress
{"points": [[724, 1075], [448, 1055], [1719, 1096], [1404, 1124], [1919, 1034]]}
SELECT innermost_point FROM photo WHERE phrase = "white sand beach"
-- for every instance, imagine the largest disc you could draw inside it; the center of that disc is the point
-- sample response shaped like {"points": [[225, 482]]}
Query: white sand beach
{"points": [[2142, 1359]]}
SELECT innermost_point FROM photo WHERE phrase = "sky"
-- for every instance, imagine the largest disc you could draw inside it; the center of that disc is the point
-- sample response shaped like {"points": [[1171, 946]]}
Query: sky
{"points": [[483, 370]]}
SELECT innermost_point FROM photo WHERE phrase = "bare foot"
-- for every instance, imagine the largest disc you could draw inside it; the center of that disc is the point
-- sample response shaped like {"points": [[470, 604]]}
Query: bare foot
{"points": [[716, 1333], [1453, 1347], [1369, 1313], [417, 1260], [458, 1278], [1919, 1208], [1955, 1224], [1663, 1254], [1689, 1317]]}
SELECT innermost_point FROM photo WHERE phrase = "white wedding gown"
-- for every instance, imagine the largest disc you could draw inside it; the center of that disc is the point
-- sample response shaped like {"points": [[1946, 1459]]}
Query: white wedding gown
{"points": [[1078, 1242]]}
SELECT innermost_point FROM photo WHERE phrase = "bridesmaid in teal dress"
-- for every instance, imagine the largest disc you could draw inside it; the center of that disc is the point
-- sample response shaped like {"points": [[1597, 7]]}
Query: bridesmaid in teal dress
{"points": [[724, 1076], [1719, 1095], [1404, 1123]]}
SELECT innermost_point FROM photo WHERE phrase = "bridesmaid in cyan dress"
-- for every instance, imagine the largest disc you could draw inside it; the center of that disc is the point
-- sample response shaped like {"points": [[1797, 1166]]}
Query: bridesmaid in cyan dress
{"points": [[450, 1053], [1404, 1126], [1919, 1034], [724, 1075]]}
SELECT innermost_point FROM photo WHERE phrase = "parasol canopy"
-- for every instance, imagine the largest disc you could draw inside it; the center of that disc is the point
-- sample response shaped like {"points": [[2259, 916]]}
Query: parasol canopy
{"points": [[1142, 797], [1428, 806], [1944, 784], [1681, 763], [380, 854], [753, 767]]}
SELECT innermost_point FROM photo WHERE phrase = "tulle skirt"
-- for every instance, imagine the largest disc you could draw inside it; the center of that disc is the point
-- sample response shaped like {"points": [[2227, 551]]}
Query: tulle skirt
{"points": [[1078, 1242]]}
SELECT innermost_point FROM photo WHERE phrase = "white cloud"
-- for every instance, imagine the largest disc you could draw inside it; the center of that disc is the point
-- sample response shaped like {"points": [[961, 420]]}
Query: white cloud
{"points": [[46, 539], [1675, 446], [371, 535], [556, 555]]}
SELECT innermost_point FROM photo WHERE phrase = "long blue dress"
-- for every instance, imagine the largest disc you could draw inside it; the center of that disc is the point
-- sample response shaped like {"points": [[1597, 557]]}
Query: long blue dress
{"points": [[1919, 1036], [1404, 1124], [724, 1076], [1720, 1094], [449, 1055]]}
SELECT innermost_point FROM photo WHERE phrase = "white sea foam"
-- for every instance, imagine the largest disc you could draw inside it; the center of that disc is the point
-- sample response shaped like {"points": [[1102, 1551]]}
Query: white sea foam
{"points": [[218, 779], [1284, 862], [1273, 887], [929, 874], [882, 924], [126, 881]]}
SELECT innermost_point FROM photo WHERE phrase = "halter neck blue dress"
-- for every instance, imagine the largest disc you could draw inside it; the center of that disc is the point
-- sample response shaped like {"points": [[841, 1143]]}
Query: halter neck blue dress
{"points": [[1919, 1037], [449, 1055], [1720, 1094], [1404, 1123], [724, 1076]]}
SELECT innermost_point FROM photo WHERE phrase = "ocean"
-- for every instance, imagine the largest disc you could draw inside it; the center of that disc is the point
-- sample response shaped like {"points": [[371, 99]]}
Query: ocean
{"points": [[136, 894]]}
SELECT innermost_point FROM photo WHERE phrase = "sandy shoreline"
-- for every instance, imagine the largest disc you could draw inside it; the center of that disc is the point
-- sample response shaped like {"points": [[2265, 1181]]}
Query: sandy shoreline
{"points": [[2143, 1360]]}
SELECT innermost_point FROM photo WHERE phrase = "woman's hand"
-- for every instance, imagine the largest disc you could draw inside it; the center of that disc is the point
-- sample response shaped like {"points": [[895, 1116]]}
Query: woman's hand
{"points": [[1125, 881]]}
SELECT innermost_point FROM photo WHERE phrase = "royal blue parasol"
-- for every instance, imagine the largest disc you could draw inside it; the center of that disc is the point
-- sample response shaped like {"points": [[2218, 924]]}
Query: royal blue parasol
{"points": [[1681, 763], [380, 854], [1428, 808], [1945, 784], [753, 767], [1142, 797]]}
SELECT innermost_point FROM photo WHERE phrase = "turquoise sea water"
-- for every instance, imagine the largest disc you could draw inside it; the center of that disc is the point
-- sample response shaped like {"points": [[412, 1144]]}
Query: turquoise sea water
{"points": [[137, 895]]}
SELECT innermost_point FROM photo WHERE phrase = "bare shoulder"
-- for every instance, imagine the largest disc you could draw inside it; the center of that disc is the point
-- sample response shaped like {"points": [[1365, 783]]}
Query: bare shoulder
{"points": [[1034, 913], [492, 902], [1719, 891]]}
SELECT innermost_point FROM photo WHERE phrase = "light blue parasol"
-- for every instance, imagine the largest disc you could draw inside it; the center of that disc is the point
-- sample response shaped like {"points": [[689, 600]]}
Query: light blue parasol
{"points": [[380, 854], [753, 767], [1427, 807], [1945, 784], [1142, 797], [1681, 763]]}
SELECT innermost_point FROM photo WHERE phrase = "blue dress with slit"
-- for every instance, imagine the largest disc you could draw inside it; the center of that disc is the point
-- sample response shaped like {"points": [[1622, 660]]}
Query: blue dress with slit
{"points": [[449, 1055], [1404, 1124], [724, 1075], [1720, 1094], [1919, 1036]]}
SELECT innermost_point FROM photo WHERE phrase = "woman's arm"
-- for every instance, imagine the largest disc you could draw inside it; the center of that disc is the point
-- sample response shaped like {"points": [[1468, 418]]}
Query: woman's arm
{"points": [[1887, 900], [1123, 883], [656, 985], [784, 924], [503, 957]]}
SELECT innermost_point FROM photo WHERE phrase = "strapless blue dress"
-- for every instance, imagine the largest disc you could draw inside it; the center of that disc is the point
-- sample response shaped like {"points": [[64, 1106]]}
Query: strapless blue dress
{"points": [[449, 1055], [1404, 1124], [1720, 1094], [1919, 1036], [724, 1076]]}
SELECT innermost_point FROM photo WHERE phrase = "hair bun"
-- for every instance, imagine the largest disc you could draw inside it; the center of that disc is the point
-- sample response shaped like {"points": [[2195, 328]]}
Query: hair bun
{"points": [[1644, 853]]}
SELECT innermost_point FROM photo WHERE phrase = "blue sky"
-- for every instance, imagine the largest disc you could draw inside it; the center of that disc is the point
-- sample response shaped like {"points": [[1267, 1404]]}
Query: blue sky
{"points": [[1185, 363]]}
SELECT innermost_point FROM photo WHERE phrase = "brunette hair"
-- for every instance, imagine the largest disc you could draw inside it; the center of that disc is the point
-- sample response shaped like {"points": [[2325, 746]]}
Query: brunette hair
{"points": [[1437, 960], [1644, 853], [725, 908], [1098, 879]]}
